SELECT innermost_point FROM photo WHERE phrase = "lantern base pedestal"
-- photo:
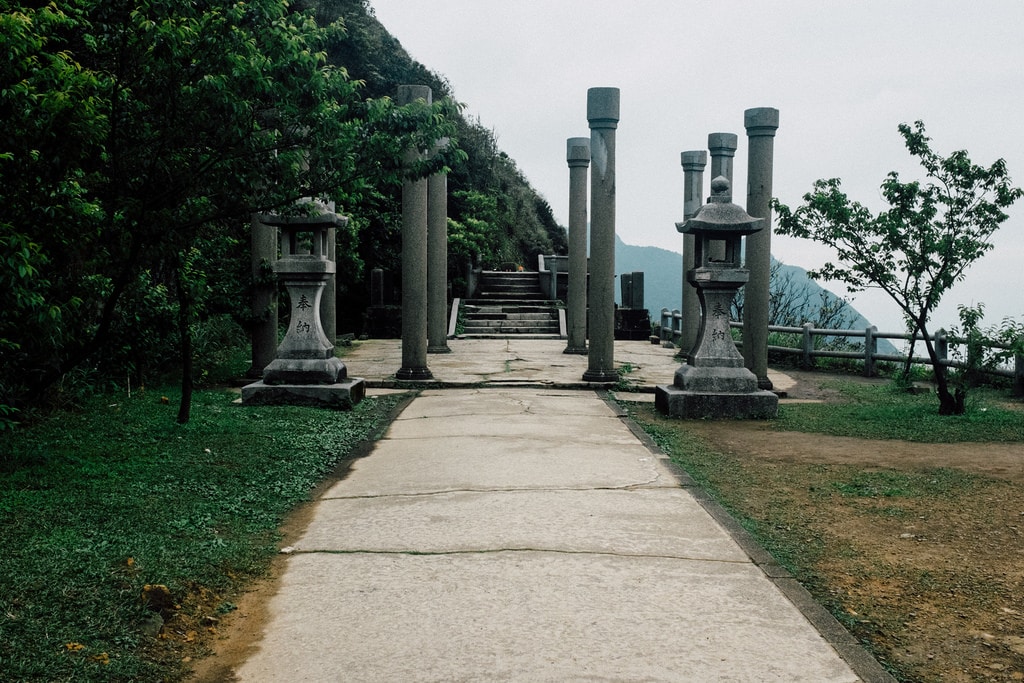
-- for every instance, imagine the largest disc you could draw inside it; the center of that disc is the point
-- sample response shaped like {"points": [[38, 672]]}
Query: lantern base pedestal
{"points": [[340, 395], [305, 370], [694, 405], [715, 392]]}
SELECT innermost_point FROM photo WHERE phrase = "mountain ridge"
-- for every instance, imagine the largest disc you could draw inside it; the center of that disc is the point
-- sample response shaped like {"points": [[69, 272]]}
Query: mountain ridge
{"points": [[663, 277]]}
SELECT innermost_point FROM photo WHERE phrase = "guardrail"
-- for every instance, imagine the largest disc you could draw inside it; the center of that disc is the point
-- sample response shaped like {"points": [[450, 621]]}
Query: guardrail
{"points": [[671, 331]]}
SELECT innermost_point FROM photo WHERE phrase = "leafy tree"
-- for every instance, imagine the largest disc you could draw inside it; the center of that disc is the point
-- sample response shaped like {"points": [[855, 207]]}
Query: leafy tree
{"points": [[141, 134], [921, 246], [139, 129]]}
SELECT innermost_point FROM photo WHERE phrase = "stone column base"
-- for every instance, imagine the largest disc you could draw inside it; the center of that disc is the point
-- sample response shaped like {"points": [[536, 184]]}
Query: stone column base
{"points": [[675, 402], [341, 395], [601, 376], [414, 374]]}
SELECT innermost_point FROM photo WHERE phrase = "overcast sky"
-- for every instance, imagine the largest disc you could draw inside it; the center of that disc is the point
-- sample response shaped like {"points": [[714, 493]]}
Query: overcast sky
{"points": [[842, 74]]}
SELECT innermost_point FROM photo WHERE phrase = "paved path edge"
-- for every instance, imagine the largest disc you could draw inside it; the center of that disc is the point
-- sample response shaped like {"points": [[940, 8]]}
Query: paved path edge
{"points": [[835, 634]]}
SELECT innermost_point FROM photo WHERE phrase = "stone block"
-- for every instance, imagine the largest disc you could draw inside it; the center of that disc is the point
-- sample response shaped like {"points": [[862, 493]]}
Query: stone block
{"points": [[305, 371], [729, 380], [341, 395], [676, 402]]}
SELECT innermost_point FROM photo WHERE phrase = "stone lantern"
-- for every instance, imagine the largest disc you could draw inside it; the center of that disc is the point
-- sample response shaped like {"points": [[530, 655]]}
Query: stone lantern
{"points": [[305, 370], [714, 381]]}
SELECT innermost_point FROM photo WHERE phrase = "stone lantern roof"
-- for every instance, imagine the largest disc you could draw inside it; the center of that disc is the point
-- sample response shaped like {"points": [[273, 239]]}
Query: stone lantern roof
{"points": [[720, 215]]}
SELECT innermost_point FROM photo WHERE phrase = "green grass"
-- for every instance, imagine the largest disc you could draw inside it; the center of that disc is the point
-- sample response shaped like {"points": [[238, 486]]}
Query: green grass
{"points": [[897, 484], [97, 503], [885, 412], [726, 478]]}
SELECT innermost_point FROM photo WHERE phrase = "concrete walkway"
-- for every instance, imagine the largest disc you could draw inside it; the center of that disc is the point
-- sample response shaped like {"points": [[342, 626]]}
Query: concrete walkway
{"points": [[506, 533]]}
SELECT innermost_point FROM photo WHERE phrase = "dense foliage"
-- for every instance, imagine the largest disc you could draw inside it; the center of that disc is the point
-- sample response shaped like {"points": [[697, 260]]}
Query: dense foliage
{"points": [[140, 135], [921, 246]]}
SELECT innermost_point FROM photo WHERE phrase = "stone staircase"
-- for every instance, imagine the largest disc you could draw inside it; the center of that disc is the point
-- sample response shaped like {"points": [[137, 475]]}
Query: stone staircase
{"points": [[511, 304]]}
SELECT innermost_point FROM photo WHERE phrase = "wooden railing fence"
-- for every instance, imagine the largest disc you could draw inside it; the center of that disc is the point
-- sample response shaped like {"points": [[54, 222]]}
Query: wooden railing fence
{"points": [[867, 351]]}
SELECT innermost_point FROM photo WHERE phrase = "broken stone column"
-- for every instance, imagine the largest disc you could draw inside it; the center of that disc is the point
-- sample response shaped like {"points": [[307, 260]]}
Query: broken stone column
{"points": [[603, 116], [377, 288], [693, 163], [578, 158], [414, 258], [329, 303], [437, 264], [722, 147], [264, 296], [625, 289], [761, 124]]}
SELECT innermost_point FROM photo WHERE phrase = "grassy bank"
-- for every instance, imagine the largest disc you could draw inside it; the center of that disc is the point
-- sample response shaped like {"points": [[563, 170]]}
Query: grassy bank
{"points": [[922, 563], [884, 411], [102, 508]]}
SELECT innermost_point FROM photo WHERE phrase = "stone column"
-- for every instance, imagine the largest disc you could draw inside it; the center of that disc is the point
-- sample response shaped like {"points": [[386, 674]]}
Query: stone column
{"points": [[578, 157], [437, 265], [761, 124], [264, 296], [603, 116], [693, 198], [722, 147], [414, 259]]}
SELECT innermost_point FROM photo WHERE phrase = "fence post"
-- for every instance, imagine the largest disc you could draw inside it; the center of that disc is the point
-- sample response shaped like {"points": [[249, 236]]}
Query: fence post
{"points": [[942, 347], [1018, 370], [677, 329], [870, 349], [808, 345], [666, 322]]}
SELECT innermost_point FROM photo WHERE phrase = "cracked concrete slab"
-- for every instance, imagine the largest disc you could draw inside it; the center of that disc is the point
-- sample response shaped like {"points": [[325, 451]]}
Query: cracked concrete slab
{"points": [[663, 522], [530, 616], [471, 463], [500, 402], [525, 535]]}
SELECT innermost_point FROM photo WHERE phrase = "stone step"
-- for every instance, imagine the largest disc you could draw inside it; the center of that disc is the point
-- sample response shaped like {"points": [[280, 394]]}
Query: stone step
{"points": [[518, 320], [524, 335], [510, 304], [505, 285], [510, 330], [511, 295], [538, 318]]}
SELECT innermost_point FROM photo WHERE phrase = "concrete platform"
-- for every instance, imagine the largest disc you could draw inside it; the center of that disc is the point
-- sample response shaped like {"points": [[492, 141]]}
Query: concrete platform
{"points": [[526, 534], [520, 362]]}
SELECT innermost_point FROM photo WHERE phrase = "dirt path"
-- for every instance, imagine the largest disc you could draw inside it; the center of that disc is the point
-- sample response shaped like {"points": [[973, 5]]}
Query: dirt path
{"points": [[1001, 460]]}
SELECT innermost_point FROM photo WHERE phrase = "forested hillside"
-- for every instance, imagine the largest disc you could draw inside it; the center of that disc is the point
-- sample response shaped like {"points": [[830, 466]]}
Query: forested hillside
{"points": [[139, 139], [494, 213]]}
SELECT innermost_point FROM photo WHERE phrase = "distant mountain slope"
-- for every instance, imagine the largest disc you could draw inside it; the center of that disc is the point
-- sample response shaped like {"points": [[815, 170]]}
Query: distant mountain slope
{"points": [[663, 277]]}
